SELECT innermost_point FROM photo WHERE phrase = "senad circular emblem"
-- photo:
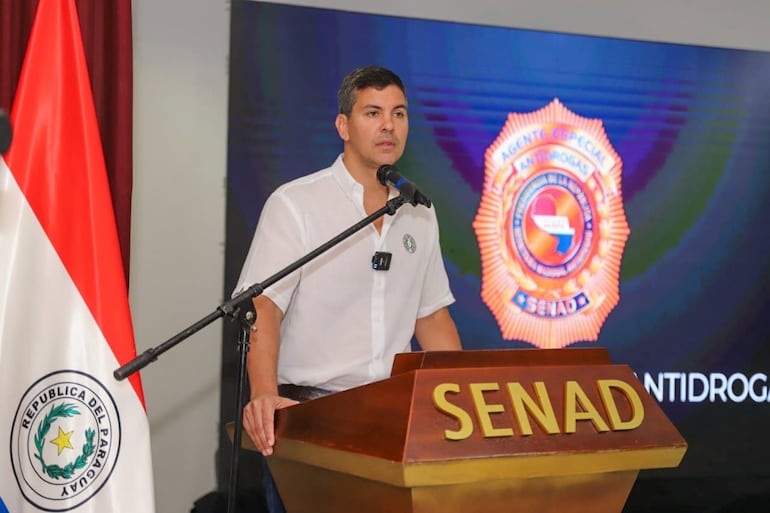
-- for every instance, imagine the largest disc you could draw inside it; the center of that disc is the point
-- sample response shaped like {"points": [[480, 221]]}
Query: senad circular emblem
{"points": [[65, 440], [551, 227]]}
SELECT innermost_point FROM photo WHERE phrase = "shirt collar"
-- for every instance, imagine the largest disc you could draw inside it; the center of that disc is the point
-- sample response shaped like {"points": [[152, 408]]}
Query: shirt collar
{"points": [[348, 184], [345, 179]]}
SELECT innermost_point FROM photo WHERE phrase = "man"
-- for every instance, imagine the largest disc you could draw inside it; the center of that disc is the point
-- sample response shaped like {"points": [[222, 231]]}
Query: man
{"points": [[337, 322]]}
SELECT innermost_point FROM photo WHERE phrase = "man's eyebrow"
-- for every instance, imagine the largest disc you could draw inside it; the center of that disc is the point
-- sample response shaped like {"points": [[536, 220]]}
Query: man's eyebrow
{"points": [[379, 107]]}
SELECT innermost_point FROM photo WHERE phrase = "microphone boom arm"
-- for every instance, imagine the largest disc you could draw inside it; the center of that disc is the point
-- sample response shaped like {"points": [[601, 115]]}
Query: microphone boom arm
{"points": [[232, 306]]}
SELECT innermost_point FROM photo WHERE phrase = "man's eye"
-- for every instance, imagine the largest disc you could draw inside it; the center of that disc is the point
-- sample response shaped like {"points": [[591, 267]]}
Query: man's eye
{"points": [[372, 113]]}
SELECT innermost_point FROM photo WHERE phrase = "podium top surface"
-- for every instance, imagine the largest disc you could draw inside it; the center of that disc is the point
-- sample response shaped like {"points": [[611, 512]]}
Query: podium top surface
{"points": [[486, 358]]}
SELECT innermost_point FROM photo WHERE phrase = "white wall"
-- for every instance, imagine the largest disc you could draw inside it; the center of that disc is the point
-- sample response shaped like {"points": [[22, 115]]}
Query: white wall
{"points": [[180, 111], [177, 251], [733, 24]]}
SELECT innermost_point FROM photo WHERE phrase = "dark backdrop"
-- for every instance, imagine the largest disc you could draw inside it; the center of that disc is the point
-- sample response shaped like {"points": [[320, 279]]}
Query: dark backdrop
{"points": [[691, 125]]}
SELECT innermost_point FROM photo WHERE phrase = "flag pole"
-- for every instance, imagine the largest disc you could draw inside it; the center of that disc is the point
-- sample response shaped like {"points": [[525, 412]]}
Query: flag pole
{"points": [[6, 132]]}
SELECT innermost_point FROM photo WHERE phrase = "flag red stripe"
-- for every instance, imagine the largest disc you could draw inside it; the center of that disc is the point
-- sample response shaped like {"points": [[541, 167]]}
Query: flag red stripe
{"points": [[56, 158]]}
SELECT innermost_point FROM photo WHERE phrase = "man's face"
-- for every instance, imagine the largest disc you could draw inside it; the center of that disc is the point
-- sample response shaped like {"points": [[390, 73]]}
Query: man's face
{"points": [[376, 131]]}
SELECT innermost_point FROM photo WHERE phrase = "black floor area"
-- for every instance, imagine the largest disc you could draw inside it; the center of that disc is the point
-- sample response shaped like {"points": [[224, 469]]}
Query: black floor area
{"points": [[647, 496], [699, 496]]}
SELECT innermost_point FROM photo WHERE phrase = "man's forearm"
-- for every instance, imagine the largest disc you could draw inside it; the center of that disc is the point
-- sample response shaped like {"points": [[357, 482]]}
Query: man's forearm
{"points": [[437, 332], [262, 360]]}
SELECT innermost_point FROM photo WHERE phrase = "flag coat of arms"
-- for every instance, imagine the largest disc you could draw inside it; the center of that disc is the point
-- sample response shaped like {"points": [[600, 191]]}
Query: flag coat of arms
{"points": [[72, 437]]}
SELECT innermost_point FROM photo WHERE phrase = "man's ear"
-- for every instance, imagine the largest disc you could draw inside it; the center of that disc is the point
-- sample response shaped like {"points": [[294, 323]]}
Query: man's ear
{"points": [[342, 126]]}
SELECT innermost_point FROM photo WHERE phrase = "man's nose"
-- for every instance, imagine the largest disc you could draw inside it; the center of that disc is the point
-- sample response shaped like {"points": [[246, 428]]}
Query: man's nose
{"points": [[387, 123]]}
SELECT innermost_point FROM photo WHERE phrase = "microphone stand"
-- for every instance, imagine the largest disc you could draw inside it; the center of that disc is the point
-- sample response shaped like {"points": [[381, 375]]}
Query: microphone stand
{"points": [[241, 308]]}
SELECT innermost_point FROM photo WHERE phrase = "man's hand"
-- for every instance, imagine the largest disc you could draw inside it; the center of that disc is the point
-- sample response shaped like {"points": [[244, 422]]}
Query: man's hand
{"points": [[259, 420]]}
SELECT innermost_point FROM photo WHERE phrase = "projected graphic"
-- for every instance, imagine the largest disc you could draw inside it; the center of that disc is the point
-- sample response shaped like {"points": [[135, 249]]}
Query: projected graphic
{"points": [[551, 227], [666, 262]]}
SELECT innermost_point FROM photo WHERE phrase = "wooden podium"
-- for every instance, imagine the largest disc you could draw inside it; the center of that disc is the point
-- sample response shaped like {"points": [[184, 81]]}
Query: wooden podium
{"points": [[489, 431]]}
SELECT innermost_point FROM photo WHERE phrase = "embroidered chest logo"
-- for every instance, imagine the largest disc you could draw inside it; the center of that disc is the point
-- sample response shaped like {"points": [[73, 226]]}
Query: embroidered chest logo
{"points": [[409, 243]]}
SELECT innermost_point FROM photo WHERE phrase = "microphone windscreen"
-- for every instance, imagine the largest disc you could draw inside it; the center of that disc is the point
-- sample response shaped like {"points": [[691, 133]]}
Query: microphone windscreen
{"points": [[383, 173]]}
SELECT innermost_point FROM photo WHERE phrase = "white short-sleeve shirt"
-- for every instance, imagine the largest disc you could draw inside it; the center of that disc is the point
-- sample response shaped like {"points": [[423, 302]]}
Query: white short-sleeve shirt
{"points": [[344, 321]]}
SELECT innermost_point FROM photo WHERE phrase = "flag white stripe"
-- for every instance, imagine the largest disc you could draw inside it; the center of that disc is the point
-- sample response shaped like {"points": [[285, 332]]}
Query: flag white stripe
{"points": [[45, 327]]}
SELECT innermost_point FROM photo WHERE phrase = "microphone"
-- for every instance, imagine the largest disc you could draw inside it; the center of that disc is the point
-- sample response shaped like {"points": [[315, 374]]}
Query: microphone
{"points": [[6, 134], [389, 175]]}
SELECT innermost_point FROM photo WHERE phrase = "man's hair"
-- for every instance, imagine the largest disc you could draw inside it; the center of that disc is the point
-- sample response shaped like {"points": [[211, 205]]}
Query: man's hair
{"points": [[361, 78]]}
